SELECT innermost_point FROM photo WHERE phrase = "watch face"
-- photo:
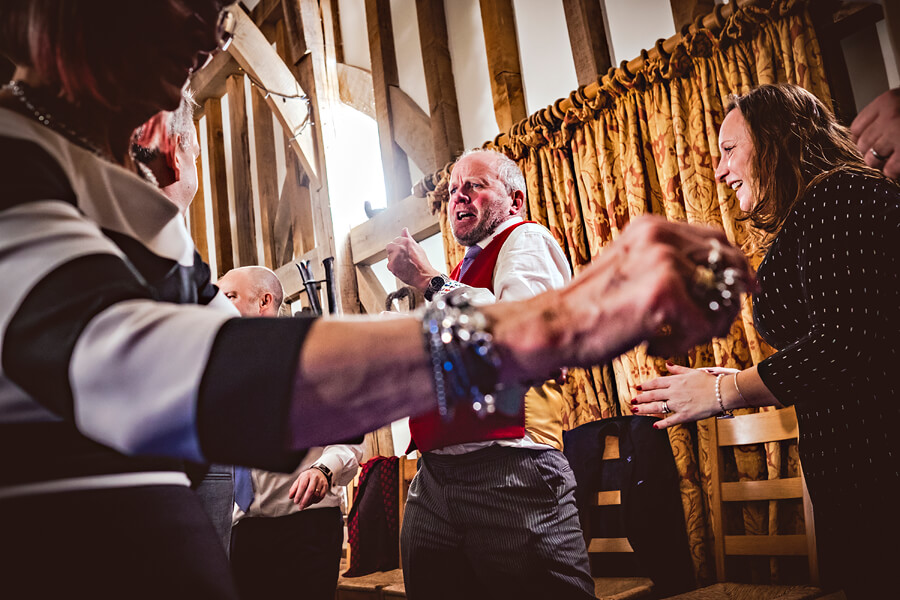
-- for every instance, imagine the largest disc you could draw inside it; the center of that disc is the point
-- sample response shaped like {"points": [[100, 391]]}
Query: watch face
{"points": [[436, 283]]}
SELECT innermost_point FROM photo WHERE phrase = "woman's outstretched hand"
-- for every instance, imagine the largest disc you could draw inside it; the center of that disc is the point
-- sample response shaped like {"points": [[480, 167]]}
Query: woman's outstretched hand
{"points": [[685, 396]]}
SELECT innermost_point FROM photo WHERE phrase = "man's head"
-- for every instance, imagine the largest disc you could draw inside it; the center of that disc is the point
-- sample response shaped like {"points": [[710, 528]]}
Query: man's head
{"points": [[255, 291], [167, 145], [486, 189]]}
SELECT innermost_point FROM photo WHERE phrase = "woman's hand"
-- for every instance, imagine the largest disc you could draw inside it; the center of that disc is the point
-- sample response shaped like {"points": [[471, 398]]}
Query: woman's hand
{"points": [[687, 395]]}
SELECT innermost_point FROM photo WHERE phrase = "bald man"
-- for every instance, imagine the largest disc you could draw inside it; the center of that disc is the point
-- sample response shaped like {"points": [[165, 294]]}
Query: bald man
{"points": [[288, 528]]}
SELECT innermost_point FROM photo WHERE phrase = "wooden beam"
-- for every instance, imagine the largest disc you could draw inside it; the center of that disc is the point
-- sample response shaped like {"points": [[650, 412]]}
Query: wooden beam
{"points": [[590, 48], [372, 294], [412, 130], [266, 175], [255, 55], [218, 186], [369, 239], [290, 276], [331, 23], [685, 11], [242, 193], [267, 12], [446, 130], [505, 70], [209, 82], [355, 88], [293, 23], [397, 181], [197, 210]]}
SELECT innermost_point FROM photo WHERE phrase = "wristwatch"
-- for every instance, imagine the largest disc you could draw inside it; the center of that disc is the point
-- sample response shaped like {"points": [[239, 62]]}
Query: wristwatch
{"points": [[434, 286], [325, 471]]}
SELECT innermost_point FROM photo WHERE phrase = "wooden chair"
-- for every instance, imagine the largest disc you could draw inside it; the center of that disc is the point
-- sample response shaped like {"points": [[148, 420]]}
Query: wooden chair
{"points": [[613, 588], [763, 427]]}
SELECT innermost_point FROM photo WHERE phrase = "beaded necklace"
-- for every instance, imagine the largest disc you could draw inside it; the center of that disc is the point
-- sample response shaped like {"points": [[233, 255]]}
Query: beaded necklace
{"points": [[45, 118]]}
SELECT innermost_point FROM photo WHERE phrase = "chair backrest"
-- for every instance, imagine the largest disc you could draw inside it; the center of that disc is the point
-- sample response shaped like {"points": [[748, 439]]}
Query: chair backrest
{"points": [[596, 544], [407, 470], [629, 502], [759, 428]]}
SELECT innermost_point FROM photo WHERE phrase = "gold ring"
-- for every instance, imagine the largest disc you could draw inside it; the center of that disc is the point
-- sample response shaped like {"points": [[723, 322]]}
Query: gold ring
{"points": [[703, 279]]}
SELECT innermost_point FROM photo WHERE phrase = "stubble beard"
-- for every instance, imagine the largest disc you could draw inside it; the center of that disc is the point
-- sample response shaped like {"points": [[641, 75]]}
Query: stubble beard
{"points": [[484, 228]]}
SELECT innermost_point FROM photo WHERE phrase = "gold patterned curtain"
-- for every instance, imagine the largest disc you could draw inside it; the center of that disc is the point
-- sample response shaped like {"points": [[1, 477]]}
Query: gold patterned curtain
{"points": [[648, 143]]}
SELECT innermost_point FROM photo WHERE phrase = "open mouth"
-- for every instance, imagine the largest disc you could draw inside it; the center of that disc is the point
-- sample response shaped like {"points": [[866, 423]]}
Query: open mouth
{"points": [[463, 215], [736, 185]]}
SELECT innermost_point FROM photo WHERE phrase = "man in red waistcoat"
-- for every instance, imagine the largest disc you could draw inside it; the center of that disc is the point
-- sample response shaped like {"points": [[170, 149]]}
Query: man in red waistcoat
{"points": [[491, 512]]}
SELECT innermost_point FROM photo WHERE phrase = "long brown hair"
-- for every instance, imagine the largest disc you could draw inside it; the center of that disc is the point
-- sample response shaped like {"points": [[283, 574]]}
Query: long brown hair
{"points": [[797, 141]]}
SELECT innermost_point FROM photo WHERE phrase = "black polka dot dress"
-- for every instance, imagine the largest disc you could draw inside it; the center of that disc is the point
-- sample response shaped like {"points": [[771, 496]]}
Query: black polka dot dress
{"points": [[830, 302]]}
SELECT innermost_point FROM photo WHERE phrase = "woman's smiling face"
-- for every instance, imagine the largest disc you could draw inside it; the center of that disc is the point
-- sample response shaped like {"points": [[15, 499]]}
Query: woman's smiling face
{"points": [[736, 165]]}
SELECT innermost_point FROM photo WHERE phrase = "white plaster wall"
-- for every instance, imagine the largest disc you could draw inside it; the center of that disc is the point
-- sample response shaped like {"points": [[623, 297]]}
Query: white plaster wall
{"points": [[354, 35], [410, 71], [470, 72], [545, 53], [633, 25]]}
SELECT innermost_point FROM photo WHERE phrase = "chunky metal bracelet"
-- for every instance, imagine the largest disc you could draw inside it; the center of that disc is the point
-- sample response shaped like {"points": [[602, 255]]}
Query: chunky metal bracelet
{"points": [[464, 363], [726, 414]]}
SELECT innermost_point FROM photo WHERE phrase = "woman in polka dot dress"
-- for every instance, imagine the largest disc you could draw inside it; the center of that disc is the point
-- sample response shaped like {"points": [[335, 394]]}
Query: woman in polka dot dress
{"points": [[829, 300]]}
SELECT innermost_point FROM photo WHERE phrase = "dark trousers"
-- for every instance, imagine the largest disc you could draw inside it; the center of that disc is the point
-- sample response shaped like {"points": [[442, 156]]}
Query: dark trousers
{"points": [[140, 542], [216, 493], [296, 556], [495, 523]]}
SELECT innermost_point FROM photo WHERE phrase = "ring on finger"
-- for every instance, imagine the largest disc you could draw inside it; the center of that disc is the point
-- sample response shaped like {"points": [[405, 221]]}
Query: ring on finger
{"points": [[665, 407], [878, 156]]}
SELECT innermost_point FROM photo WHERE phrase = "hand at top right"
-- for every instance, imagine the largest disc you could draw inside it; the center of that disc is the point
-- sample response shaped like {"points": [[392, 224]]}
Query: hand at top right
{"points": [[877, 133]]}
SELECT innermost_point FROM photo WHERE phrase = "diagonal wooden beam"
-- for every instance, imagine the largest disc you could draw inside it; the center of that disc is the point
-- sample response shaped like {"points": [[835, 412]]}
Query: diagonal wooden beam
{"points": [[397, 180], [412, 130], [286, 97], [209, 82], [587, 34], [504, 67], [355, 88], [446, 130]]}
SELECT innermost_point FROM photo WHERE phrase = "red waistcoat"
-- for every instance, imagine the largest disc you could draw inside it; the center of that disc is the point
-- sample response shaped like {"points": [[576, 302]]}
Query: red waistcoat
{"points": [[429, 431]]}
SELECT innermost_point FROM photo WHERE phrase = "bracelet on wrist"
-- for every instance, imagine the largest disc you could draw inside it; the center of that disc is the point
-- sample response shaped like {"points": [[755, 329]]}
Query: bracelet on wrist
{"points": [[738, 388], [725, 414], [465, 365]]}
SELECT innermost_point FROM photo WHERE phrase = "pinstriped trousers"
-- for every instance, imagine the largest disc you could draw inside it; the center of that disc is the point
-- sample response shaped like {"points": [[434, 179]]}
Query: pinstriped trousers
{"points": [[496, 523]]}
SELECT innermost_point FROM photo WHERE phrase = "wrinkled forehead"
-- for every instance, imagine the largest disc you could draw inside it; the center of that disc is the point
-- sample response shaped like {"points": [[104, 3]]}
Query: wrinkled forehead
{"points": [[479, 165]]}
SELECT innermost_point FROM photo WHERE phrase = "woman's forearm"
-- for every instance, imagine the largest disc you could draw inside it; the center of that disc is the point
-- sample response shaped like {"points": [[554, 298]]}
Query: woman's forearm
{"points": [[745, 389]]}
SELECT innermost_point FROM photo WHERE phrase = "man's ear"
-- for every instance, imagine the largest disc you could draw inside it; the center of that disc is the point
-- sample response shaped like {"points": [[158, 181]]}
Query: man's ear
{"points": [[265, 300], [518, 202]]}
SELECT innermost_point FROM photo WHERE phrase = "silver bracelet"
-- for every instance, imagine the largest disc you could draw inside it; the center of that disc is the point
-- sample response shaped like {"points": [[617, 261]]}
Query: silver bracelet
{"points": [[738, 388], [464, 363], [726, 414]]}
